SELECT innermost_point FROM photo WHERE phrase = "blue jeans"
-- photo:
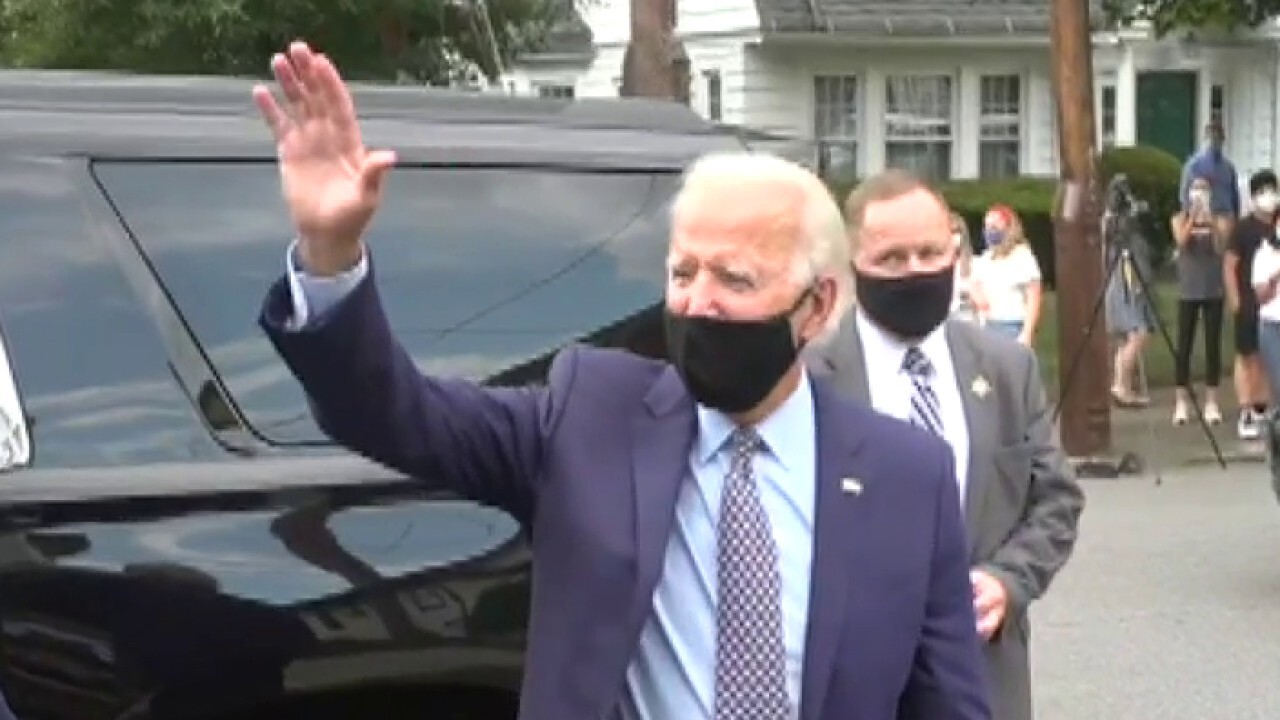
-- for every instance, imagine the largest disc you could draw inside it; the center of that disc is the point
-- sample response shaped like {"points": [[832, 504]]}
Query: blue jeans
{"points": [[1269, 349], [1009, 328]]}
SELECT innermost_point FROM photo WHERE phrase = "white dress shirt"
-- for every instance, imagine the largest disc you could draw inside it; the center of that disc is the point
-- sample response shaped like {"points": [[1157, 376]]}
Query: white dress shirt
{"points": [[891, 388]]}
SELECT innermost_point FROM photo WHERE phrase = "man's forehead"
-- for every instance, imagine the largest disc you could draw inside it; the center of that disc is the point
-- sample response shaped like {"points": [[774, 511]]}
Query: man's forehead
{"points": [[725, 250], [917, 211]]}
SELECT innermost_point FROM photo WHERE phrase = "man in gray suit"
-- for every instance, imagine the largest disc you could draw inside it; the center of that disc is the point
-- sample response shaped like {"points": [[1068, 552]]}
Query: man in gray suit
{"points": [[897, 351]]}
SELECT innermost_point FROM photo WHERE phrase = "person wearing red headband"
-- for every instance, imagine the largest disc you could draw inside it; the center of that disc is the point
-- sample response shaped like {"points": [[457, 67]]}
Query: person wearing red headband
{"points": [[1008, 276]]}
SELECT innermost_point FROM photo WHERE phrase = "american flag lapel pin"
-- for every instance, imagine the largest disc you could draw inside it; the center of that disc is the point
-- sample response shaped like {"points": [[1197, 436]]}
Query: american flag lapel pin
{"points": [[852, 486]]}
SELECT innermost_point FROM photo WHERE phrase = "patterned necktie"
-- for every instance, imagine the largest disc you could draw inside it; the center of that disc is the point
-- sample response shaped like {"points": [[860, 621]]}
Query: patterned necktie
{"points": [[925, 411], [751, 681]]}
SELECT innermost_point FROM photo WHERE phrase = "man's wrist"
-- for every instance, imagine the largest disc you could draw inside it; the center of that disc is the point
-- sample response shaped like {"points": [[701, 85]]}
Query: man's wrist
{"points": [[328, 260]]}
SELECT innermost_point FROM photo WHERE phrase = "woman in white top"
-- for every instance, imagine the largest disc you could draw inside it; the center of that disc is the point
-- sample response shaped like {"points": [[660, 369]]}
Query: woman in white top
{"points": [[967, 302], [1265, 278], [1008, 277]]}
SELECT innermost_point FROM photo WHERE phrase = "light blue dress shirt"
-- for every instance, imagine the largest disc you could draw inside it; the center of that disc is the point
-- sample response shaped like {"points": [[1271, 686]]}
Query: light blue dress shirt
{"points": [[672, 676]]}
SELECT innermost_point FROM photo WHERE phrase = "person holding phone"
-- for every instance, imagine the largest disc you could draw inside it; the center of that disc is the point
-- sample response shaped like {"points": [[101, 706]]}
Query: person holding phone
{"points": [[1200, 239]]}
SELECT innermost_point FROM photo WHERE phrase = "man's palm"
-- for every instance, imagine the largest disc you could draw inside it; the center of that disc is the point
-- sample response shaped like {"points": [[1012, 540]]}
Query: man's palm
{"points": [[332, 184]]}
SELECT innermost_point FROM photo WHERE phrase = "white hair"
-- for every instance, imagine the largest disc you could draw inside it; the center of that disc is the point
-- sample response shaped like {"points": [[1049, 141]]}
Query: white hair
{"points": [[824, 248]]}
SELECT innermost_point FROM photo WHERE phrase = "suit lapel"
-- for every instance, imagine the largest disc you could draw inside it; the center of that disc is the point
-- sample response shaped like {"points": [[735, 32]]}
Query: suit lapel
{"points": [[843, 363], [661, 440], [981, 414], [841, 523]]}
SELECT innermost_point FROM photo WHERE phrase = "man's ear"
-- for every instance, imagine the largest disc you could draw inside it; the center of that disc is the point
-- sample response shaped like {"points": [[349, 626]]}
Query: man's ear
{"points": [[823, 304]]}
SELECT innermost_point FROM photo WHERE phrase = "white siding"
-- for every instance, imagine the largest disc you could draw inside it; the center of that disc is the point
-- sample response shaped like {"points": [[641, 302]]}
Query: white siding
{"points": [[1040, 156], [609, 20], [724, 55]]}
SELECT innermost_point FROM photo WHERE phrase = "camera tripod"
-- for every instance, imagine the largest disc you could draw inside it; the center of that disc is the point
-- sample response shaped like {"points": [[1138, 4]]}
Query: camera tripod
{"points": [[1123, 258]]}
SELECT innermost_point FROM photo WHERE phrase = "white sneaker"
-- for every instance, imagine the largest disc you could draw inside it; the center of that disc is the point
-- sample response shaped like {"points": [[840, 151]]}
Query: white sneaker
{"points": [[1248, 426], [1179, 413], [1212, 414]]}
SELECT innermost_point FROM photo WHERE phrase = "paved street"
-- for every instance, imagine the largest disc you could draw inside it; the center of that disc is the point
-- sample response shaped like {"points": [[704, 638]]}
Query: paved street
{"points": [[1170, 608]]}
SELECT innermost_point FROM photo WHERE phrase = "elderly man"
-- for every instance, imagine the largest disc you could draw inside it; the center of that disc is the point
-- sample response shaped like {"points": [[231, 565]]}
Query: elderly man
{"points": [[714, 538], [979, 391]]}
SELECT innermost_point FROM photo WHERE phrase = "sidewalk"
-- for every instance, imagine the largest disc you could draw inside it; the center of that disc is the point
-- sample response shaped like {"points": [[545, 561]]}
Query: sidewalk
{"points": [[1150, 434]]}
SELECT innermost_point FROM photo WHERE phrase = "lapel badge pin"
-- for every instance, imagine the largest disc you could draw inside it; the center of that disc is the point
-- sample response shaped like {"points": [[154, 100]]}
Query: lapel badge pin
{"points": [[980, 387], [853, 486]]}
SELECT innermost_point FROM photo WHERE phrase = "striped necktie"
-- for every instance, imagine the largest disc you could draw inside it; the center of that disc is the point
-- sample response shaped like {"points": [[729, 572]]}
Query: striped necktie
{"points": [[925, 411]]}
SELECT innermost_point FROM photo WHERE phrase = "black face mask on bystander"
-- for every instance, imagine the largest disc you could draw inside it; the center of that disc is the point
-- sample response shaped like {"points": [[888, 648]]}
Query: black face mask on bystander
{"points": [[909, 306]]}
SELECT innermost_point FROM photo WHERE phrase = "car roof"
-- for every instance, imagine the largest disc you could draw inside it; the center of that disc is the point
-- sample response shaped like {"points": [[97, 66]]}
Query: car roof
{"points": [[117, 115]]}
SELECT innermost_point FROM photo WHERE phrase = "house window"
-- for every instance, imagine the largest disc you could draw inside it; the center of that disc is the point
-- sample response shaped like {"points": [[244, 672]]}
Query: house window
{"points": [[1108, 120], [917, 122], [1000, 125], [835, 125], [554, 91], [714, 95]]}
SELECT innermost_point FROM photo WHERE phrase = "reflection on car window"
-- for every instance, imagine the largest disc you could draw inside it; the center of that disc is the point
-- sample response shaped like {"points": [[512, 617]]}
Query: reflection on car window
{"points": [[90, 365], [484, 272], [15, 445]]}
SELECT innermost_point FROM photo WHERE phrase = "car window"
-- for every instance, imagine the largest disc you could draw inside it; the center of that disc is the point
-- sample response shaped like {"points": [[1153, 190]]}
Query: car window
{"points": [[91, 369], [484, 272]]}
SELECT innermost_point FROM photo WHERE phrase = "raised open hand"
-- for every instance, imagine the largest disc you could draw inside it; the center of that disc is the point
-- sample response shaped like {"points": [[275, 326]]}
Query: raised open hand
{"points": [[331, 182]]}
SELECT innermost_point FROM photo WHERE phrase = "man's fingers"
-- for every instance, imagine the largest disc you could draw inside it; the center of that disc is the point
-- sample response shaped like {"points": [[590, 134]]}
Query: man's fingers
{"points": [[290, 85], [274, 116], [302, 59], [327, 87], [987, 624], [375, 168]]}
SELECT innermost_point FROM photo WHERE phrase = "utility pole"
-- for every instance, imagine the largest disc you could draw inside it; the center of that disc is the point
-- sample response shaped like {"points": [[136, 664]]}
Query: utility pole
{"points": [[655, 64], [1078, 252]]}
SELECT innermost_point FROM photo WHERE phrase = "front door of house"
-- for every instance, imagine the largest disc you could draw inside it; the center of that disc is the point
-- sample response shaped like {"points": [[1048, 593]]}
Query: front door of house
{"points": [[1167, 111]]}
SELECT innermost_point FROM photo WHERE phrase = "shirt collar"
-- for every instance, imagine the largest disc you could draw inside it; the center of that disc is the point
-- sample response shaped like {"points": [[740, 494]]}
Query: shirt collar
{"points": [[781, 429], [877, 339]]}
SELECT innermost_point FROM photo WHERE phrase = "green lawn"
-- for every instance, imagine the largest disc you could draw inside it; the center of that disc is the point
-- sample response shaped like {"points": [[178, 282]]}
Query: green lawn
{"points": [[1159, 361]]}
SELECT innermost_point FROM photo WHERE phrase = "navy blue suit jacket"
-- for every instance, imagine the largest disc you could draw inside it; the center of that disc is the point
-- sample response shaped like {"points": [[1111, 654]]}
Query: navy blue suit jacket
{"points": [[592, 463]]}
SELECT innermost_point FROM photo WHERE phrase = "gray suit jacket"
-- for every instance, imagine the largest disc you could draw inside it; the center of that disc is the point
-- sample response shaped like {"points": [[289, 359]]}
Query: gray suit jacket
{"points": [[1022, 501]]}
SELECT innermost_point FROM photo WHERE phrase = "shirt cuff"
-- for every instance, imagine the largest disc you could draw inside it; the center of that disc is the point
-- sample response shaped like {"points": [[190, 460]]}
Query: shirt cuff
{"points": [[314, 296]]}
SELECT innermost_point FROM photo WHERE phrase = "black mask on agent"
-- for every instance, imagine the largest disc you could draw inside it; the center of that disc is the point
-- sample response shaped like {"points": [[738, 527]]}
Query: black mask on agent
{"points": [[731, 365], [909, 306]]}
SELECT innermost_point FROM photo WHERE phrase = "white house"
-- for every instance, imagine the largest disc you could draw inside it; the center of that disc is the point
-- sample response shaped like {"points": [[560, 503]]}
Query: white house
{"points": [[951, 88]]}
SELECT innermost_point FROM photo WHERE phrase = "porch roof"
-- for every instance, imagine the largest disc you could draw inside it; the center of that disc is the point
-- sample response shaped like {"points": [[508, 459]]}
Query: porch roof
{"points": [[913, 18]]}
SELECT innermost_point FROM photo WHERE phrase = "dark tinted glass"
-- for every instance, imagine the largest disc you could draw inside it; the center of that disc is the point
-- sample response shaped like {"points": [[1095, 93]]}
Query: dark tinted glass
{"points": [[484, 272], [91, 368]]}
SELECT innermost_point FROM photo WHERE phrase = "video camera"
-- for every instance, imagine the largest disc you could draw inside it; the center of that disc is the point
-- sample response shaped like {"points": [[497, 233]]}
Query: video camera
{"points": [[1120, 198]]}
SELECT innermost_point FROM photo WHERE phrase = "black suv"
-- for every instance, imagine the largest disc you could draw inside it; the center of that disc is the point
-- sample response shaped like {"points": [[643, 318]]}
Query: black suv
{"points": [[177, 538]]}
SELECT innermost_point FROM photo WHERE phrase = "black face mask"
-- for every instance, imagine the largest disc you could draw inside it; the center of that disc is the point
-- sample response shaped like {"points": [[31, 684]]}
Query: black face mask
{"points": [[909, 306], [731, 365]]}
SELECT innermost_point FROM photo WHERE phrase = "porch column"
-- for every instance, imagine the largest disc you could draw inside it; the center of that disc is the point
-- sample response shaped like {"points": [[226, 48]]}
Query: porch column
{"points": [[1126, 98], [1275, 110]]}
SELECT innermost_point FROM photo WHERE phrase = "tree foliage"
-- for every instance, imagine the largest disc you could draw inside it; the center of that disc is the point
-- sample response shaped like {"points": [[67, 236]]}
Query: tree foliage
{"points": [[427, 41], [1167, 16]]}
